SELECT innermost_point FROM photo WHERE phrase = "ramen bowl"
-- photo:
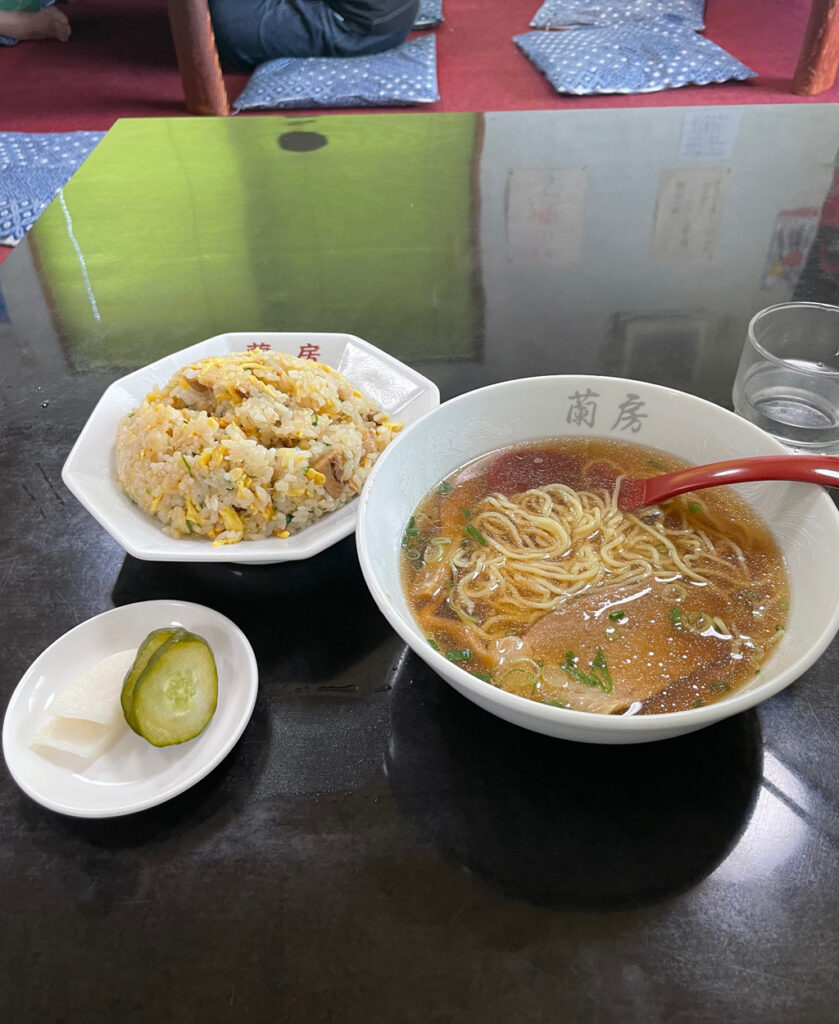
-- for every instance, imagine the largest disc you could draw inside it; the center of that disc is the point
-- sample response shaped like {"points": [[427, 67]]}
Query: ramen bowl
{"points": [[802, 518]]}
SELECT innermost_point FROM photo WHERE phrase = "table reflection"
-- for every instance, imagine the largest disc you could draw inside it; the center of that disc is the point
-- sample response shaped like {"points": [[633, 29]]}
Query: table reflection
{"points": [[637, 243], [778, 828]]}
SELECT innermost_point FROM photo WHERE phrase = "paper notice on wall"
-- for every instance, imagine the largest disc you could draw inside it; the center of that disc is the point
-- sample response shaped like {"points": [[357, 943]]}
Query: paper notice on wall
{"points": [[688, 214], [545, 211], [710, 134], [792, 235]]}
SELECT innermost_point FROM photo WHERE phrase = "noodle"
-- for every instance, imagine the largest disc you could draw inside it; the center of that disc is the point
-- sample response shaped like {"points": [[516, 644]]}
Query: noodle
{"points": [[547, 544], [694, 590]]}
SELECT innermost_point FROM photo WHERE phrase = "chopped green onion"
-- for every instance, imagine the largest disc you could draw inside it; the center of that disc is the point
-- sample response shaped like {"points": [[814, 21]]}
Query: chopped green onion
{"points": [[288, 517], [720, 686], [465, 512], [556, 703], [189, 525], [695, 508], [434, 551], [470, 531], [751, 595], [433, 643], [459, 654], [528, 679], [698, 703], [315, 420], [444, 488], [188, 467], [779, 629], [617, 616], [676, 616], [410, 532], [570, 666], [655, 464], [599, 664], [485, 677], [461, 614]]}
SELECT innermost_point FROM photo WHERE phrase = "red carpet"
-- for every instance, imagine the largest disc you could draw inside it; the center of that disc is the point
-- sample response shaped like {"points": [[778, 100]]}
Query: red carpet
{"points": [[120, 63]]}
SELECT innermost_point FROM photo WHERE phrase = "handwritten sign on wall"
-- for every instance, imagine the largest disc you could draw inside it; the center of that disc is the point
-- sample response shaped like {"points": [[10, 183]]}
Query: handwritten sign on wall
{"points": [[545, 215], [688, 214]]}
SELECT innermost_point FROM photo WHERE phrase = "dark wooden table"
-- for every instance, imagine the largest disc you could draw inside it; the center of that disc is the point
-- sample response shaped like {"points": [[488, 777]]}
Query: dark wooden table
{"points": [[375, 848]]}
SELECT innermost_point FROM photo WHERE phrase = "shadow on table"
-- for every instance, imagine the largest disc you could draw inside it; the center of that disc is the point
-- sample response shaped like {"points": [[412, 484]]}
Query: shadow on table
{"points": [[96, 861], [567, 825], [311, 619]]}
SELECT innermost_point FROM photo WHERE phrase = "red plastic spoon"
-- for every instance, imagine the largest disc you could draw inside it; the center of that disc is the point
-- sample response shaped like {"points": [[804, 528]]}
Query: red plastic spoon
{"points": [[810, 469]]}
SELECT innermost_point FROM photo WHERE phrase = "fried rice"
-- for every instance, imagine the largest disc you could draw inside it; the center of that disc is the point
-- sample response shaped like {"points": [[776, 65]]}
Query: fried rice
{"points": [[248, 446]]}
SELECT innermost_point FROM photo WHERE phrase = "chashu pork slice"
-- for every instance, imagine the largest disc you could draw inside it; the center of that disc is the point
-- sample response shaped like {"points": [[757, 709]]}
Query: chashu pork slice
{"points": [[645, 653]]}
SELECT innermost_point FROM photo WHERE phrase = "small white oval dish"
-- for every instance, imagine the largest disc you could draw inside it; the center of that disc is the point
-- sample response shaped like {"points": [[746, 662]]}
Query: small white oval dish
{"points": [[132, 775]]}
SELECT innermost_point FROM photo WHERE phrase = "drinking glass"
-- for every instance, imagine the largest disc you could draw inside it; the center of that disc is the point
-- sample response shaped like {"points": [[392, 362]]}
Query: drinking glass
{"points": [[788, 378]]}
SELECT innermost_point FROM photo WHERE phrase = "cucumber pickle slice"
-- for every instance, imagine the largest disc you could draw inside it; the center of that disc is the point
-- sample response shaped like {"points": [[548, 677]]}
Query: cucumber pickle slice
{"points": [[176, 693], [156, 639]]}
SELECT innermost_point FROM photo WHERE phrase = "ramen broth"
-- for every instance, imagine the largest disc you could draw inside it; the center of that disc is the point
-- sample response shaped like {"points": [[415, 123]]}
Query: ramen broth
{"points": [[521, 569]]}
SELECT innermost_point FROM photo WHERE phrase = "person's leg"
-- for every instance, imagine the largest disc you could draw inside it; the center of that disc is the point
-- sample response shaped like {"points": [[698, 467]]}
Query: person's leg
{"points": [[46, 24], [345, 40], [352, 44], [249, 32]]}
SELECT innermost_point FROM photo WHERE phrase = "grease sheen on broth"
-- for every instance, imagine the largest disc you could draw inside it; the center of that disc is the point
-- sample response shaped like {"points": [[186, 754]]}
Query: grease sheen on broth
{"points": [[520, 568]]}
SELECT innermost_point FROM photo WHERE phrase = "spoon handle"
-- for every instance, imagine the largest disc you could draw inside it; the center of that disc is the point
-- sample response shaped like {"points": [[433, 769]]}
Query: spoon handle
{"points": [[812, 469]]}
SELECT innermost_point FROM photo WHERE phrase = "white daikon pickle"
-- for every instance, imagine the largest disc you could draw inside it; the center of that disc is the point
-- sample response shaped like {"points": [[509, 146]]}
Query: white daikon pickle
{"points": [[94, 696], [87, 715]]}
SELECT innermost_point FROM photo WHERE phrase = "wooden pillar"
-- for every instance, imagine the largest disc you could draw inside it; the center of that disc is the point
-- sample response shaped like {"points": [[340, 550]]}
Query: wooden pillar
{"points": [[198, 63], [819, 56]]}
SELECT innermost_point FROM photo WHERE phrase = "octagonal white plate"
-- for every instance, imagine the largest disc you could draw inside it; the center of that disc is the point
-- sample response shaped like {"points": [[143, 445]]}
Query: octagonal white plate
{"points": [[133, 775], [90, 469]]}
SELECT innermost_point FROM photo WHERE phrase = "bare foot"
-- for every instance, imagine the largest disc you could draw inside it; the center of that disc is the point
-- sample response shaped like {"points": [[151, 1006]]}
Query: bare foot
{"points": [[46, 24]]}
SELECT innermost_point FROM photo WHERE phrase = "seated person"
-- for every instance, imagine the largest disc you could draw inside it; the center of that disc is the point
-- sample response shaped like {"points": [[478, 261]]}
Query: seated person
{"points": [[24, 19], [249, 32]]}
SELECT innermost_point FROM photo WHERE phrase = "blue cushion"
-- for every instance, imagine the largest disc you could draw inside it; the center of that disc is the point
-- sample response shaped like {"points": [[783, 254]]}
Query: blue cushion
{"points": [[430, 13], [562, 13], [32, 169], [395, 78], [629, 58]]}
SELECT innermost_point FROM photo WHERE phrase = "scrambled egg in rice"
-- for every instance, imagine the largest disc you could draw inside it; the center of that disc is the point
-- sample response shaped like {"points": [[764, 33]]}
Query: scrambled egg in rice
{"points": [[248, 446]]}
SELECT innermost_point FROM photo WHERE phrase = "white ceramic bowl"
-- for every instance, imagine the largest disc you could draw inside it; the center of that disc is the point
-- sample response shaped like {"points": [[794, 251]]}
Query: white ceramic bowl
{"points": [[802, 517], [90, 469]]}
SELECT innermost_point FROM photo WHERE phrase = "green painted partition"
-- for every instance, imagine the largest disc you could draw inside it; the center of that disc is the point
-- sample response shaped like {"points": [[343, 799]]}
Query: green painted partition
{"points": [[362, 224]]}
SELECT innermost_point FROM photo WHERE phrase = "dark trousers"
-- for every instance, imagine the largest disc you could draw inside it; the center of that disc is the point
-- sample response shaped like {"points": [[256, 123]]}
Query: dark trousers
{"points": [[249, 32]]}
